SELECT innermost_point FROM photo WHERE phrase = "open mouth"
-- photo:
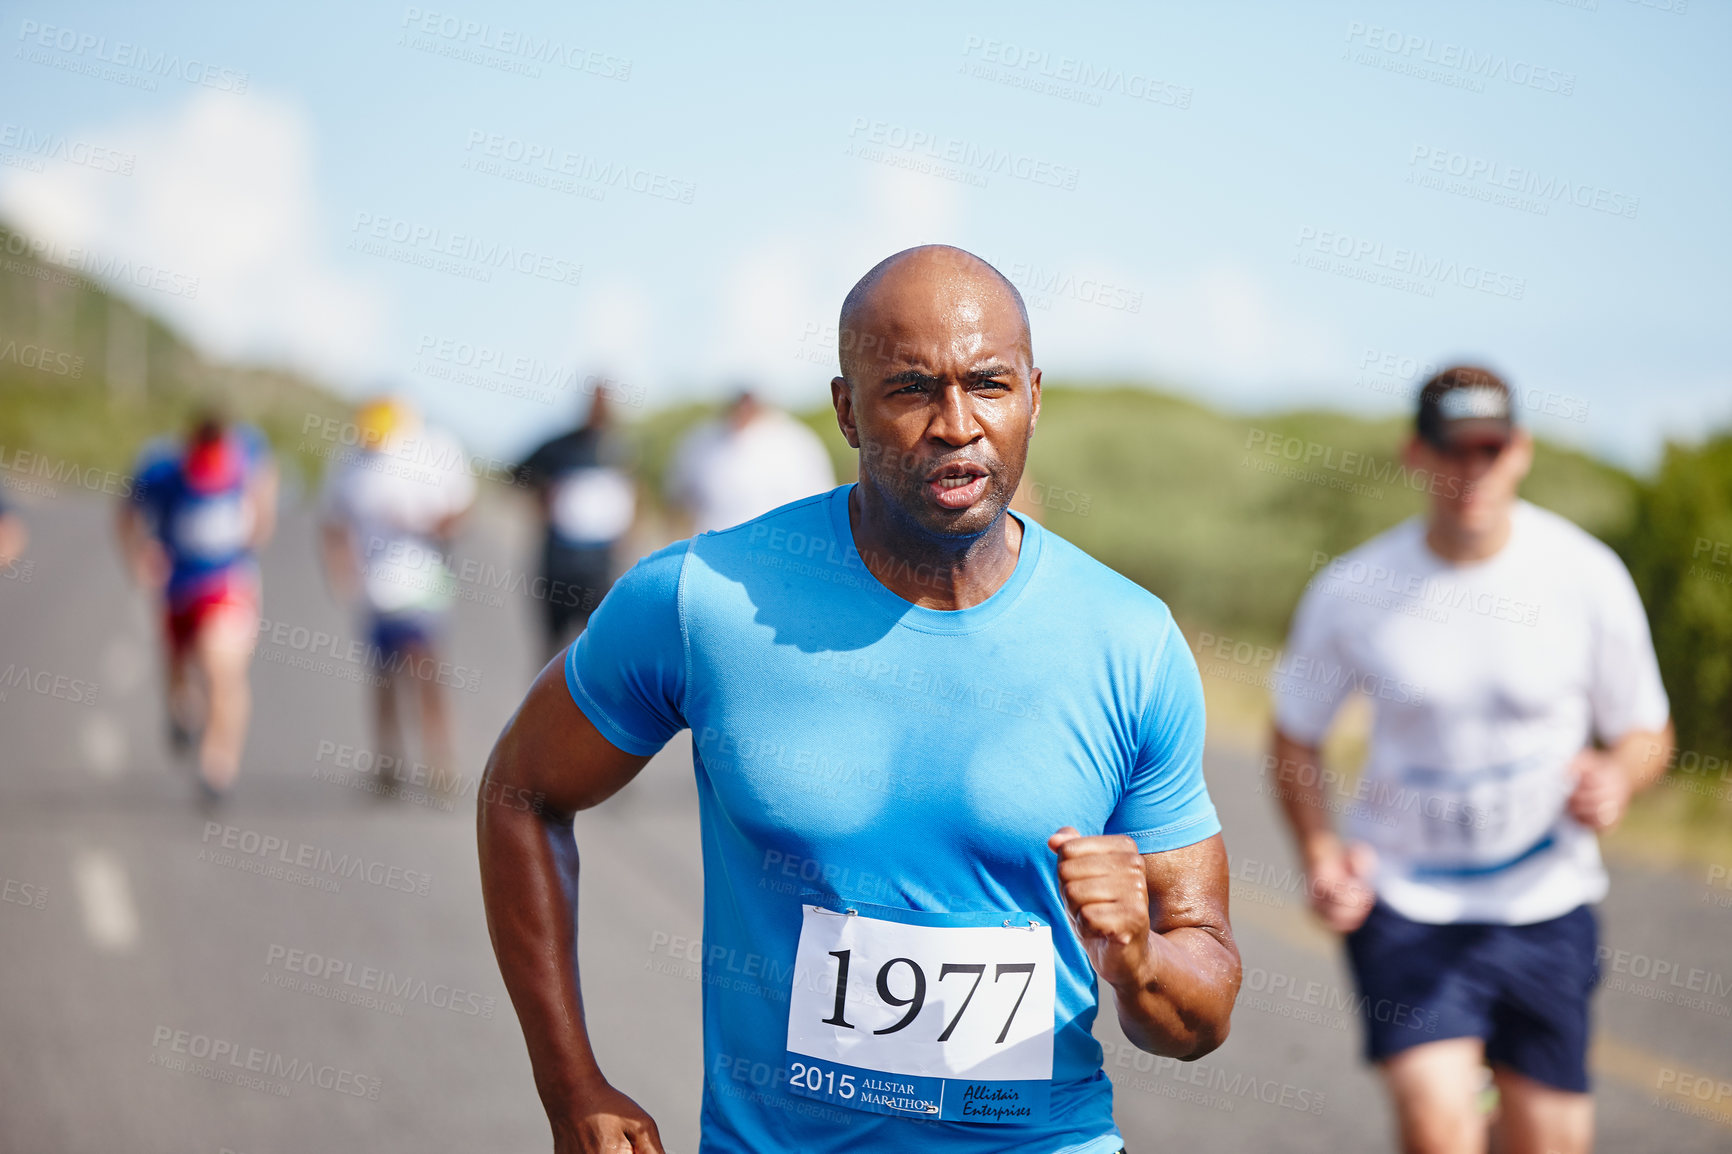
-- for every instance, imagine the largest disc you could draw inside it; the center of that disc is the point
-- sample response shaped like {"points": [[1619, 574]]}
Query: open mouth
{"points": [[957, 486]]}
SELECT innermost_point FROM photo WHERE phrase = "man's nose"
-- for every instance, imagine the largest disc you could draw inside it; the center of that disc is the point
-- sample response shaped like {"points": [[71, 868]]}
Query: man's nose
{"points": [[954, 423]]}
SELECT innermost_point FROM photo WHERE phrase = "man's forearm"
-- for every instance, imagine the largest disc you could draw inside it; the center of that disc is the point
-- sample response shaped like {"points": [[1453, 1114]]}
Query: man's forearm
{"points": [[1298, 773], [1182, 1006], [1644, 755], [529, 884]]}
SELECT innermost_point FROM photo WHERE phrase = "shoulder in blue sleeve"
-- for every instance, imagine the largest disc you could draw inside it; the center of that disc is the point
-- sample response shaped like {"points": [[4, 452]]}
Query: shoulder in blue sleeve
{"points": [[627, 671], [154, 472], [1166, 802]]}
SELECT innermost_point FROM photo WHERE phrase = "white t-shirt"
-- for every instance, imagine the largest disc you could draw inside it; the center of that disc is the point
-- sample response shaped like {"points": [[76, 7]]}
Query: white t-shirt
{"points": [[1486, 679], [726, 476], [392, 500]]}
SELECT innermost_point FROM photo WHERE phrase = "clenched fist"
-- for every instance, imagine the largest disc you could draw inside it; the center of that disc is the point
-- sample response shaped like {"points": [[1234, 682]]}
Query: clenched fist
{"points": [[1601, 792], [1107, 893]]}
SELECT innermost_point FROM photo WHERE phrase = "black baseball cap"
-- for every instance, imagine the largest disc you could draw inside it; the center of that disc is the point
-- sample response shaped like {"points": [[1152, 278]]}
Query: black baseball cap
{"points": [[1465, 405]]}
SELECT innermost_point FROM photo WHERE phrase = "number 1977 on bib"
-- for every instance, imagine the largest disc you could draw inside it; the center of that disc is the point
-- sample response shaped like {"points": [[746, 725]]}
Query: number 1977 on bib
{"points": [[916, 1001]]}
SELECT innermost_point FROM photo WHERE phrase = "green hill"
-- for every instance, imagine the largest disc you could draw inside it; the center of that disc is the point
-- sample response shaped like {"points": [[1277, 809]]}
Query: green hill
{"points": [[86, 376]]}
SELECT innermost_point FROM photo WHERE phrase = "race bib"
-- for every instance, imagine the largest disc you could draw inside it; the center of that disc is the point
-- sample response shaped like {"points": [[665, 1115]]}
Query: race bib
{"points": [[1479, 821], [592, 506], [944, 1022], [213, 528]]}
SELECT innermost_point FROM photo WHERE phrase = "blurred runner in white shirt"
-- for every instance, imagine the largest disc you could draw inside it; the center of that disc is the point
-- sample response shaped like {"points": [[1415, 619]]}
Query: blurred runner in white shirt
{"points": [[1517, 707], [390, 513], [756, 458]]}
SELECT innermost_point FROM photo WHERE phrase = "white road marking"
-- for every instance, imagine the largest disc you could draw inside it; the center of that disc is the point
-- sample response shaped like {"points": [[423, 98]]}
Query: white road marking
{"points": [[103, 743], [106, 898]]}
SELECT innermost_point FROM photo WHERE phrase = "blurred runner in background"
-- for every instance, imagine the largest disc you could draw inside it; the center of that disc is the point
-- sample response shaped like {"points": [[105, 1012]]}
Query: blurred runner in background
{"points": [[1517, 705], [588, 503], [756, 458], [197, 514], [390, 513]]}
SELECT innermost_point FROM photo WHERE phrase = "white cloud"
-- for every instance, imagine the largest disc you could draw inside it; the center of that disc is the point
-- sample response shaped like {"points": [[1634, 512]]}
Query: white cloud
{"points": [[1222, 326], [222, 191]]}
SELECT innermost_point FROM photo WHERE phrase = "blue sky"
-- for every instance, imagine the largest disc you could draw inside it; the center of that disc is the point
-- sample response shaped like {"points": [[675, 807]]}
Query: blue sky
{"points": [[1261, 205]]}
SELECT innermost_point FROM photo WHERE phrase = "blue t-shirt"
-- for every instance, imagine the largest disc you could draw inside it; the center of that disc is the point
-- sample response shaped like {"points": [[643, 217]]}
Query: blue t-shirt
{"points": [[207, 533], [852, 746]]}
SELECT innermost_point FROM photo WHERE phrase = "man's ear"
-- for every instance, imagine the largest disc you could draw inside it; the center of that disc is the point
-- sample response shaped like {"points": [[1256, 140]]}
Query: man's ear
{"points": [[842, 396], [1034, 390], [1522, 443]]}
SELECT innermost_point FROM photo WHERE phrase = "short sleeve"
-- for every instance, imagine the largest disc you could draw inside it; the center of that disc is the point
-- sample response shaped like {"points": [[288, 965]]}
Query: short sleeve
{"points": [[1626, 692], [152, 473], [1166, 803], [627, 670], [1304, 706]]}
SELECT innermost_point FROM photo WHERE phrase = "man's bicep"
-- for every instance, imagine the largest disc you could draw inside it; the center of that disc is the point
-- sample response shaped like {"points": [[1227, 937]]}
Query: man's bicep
{"points": [[555, 755], [1188, 886]]}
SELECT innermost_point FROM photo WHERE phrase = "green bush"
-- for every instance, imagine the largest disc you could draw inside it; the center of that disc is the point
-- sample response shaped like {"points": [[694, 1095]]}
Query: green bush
{"points": [[1680, 552]]}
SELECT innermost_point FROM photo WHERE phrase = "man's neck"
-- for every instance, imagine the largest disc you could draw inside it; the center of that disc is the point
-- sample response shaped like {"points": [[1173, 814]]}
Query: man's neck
{"points": [[1462, 546], [933, 572]]}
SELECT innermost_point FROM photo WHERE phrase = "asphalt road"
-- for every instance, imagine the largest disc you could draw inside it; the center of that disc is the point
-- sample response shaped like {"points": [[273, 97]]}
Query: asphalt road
{"points": [[142, 948]]}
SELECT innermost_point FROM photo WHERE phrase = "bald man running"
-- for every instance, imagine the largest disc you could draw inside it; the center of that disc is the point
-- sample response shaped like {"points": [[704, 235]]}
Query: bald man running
{"points": [[949, 770]]}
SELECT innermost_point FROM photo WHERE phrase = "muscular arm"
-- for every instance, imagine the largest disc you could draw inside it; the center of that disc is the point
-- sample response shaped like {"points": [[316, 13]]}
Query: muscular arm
{"points": [[1155, 928], [550, 752]]}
